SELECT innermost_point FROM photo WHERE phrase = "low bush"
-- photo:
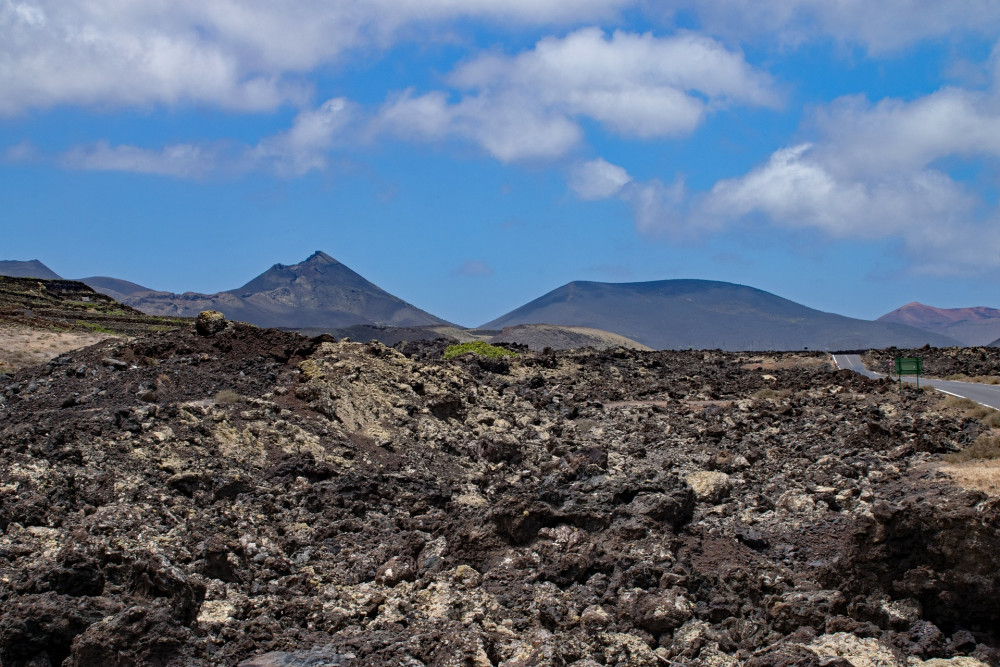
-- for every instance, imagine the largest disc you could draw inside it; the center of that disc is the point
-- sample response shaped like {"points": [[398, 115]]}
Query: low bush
{"points": [[226, 397], [478, 347]]}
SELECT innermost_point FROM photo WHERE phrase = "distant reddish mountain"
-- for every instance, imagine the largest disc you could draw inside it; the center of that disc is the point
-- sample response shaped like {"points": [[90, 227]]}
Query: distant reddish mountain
{"points": [[973, 326]]}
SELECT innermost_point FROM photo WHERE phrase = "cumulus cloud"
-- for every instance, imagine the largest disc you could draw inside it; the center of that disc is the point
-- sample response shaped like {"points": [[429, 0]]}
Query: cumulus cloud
{"points": [[529, 106], [934, 218], [256, 54], [874, 173], [235, 54], [878, 172], [656, 206]]}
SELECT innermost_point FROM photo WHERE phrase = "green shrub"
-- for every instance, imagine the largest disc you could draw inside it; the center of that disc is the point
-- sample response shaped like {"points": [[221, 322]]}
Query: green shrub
{"points": [[480, 348]]}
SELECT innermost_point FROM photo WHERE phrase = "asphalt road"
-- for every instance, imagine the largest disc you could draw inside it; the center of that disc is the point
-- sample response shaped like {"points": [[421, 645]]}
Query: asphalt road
{"points": [[984, 394]]}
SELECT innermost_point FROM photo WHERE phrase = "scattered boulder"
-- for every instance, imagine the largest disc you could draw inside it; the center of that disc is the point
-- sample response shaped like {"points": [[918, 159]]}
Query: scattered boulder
{"points": [[210, 322], [709, 486]]}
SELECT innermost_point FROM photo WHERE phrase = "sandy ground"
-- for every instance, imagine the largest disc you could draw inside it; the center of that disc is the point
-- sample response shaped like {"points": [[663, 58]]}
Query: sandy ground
{"points": [[22, 346]]}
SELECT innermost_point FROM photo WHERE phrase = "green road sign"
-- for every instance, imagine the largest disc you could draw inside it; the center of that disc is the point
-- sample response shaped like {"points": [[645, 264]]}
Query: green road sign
{"points": [[909, 366]]}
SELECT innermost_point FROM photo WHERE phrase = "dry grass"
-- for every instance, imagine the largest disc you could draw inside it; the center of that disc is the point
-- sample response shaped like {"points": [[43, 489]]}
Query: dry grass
{"points": [[973, 410], [226, 397], [979, 475], [984, 448], [766, 363], [977, 465]]}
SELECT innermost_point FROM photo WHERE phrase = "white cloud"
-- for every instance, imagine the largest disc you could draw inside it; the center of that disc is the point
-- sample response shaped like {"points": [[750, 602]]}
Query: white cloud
{"points": [[256, 54], [598, 179], [302, 148], [235, 54], [656, 207], [515, 129], [796, 189], [876, 172], [306, 146], [529, 105], [933, 217], [179, 160], [892, 135]]}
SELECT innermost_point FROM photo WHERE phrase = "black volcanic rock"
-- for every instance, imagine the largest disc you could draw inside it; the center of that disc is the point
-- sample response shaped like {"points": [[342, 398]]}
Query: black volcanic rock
{"points": [[319, 292], [677, 314], [30, 269], [289, 502]]}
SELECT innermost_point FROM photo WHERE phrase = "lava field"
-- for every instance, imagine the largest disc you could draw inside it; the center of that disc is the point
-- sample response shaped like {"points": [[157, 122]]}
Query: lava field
{"points": [[252, 497]]}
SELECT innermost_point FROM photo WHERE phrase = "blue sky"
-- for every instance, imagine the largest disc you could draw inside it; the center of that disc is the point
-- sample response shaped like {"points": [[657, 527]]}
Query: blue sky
{"points": [[469, 156]]}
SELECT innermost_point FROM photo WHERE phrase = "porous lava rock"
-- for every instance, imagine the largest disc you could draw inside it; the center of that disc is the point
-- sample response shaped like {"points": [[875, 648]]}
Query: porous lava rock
{"points": [[258, 498]]}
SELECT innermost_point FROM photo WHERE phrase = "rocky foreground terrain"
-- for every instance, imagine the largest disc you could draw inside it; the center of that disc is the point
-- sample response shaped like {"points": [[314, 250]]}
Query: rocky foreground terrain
{"points": [[252, 497]]}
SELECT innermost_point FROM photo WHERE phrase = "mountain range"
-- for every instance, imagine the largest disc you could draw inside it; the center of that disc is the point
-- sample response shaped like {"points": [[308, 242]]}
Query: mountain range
{"points": [[973, 326], [321, 294]]}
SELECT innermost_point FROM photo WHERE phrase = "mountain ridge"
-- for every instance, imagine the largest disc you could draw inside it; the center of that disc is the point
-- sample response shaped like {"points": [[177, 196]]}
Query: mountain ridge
{"points": [[317, 292], [977, 325], [322, 293], [31, 268], [685, 313]]}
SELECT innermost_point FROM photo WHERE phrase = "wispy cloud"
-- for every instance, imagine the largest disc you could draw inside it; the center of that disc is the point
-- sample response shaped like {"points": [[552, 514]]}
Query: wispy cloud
{"points": [[304, 147], [880, 27], [178, 160], [473, 268]]}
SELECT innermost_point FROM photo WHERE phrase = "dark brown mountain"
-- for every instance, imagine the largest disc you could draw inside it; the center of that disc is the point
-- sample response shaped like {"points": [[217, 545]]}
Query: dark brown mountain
{"points": [[30, 269], [116, 288], [677, 314], [319, 292], [973, 326]]}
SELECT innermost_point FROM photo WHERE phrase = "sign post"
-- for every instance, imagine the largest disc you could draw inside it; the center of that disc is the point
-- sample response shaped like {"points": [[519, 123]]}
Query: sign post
{"points": [[909, 366]]}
